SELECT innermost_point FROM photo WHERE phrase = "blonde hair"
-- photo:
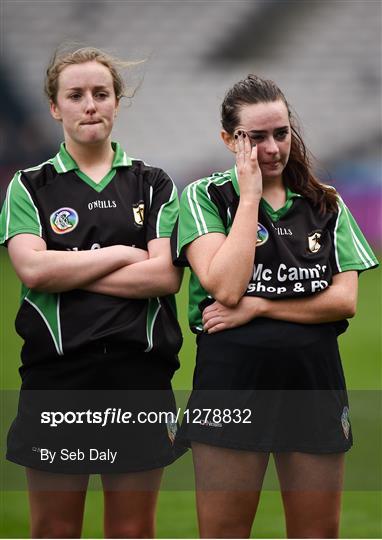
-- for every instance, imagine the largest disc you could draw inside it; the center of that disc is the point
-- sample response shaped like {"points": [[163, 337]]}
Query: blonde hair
{"points": [[63, 58]]}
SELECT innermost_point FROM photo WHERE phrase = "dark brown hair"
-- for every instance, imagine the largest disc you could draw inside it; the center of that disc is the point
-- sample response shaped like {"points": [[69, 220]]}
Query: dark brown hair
{"points": [[297, 175]]}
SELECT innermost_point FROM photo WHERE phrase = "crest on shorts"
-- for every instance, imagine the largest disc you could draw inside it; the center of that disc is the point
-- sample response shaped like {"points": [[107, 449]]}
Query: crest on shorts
{"points": [[138, 211], [314, 241], [64, 220], [171, 427], [345, 421], [262, 235]]}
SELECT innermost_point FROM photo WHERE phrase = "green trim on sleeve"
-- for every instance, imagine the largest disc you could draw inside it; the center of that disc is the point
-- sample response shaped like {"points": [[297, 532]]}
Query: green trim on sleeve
{"points": [[198, 215], [352, 251], [167, 215], [19, 214]]}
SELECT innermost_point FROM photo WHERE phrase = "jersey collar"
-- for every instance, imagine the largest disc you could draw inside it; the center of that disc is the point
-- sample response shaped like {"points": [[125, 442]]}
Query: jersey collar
{"points": [[273, 214], [63, 161]]}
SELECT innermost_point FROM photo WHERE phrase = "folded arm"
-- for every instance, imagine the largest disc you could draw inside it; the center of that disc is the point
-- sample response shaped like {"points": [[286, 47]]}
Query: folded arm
{"points": [[58, 271], [224, 264], [335, 303], [155, 276]]}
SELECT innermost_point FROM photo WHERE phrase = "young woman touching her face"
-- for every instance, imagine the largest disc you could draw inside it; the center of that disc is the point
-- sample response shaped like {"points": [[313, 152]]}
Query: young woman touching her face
{"points": [[88, 235], [274, 258]]}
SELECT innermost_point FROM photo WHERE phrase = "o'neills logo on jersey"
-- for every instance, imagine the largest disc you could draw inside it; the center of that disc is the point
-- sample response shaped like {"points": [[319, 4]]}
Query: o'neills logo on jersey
{"points": [[102, 204], [64, 220], [262, 235], [283, 231], [138, 212], [314, 241]]}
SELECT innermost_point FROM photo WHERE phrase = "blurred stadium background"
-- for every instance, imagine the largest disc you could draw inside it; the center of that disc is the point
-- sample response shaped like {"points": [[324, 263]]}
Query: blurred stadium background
{"points": [[325, 56]]}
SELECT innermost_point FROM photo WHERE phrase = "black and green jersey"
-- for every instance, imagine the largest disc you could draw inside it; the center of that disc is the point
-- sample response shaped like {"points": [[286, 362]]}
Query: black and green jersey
{"points": [[297, 249], [132, 205]]}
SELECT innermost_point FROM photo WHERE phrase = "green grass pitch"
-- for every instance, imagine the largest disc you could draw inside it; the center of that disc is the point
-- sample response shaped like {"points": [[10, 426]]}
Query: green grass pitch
{"points": [[361, 354]]}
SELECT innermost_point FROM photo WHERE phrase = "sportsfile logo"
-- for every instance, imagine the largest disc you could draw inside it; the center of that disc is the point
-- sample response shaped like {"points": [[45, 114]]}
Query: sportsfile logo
{"points": [[111, 415]]}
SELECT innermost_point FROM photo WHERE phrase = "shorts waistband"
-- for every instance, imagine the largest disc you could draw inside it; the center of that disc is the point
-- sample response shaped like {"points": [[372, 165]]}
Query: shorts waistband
{"points": [[108, 347]]}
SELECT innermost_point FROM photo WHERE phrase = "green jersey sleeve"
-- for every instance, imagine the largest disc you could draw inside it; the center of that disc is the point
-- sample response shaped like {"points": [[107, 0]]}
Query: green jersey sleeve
{"points": [[198, 215], [164, 208], [19, 213], [351, 249]]}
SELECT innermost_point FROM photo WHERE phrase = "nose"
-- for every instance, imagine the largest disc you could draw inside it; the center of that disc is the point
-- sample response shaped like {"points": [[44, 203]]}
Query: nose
{"points": [[271, 146], [89, 102]]}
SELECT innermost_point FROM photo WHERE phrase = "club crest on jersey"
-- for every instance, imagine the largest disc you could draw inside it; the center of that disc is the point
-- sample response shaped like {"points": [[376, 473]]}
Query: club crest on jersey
{"points": [[314, 241], [138, 211], [345, 422], [262, 235], [64, 220]]}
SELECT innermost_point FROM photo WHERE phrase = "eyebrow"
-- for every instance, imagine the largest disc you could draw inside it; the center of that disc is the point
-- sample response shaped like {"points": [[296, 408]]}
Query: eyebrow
{"points": [[77, 88], [259, 131]]}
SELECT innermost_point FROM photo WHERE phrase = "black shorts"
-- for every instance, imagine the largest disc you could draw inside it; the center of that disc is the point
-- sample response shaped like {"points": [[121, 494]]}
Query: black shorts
{"points": [[269, 386], [101, 411]]}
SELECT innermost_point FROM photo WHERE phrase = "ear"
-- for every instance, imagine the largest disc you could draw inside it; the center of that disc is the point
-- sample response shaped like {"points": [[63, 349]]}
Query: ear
{"points": [[54, 111], [228, 140]]}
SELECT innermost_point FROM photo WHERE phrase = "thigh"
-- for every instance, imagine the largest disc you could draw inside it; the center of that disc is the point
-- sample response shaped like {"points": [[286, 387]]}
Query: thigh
{"points": [[130, 503], [56, 503], [228, 485], [311, 486]]}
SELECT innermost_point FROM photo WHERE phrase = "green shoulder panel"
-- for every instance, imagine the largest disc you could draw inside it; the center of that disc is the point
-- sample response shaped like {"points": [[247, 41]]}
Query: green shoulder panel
{"points": [[198, 214], [167, 215], [19, 213], [352, 250]]}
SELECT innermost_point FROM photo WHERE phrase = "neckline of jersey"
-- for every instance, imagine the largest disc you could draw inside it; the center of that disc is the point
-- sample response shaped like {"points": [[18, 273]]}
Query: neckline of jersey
{"points": [[63, 163], [275, 215]]}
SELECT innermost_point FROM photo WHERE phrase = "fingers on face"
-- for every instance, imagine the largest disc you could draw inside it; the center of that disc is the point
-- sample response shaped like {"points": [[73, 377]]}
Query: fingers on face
{"points": [[254, 153], [239, 149], [238, 141], [242, 143]]}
